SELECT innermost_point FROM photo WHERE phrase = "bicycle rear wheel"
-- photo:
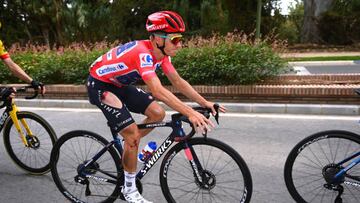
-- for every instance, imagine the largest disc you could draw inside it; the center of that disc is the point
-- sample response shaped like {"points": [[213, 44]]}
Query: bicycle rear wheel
{"points": [[226, 175], [70, 153], [311, 160], [35, 158]]}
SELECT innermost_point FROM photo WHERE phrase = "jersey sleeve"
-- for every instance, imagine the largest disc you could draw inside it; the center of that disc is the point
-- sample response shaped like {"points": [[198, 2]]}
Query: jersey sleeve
{"points": [[3, 53], [146, 66], [167, 66]]}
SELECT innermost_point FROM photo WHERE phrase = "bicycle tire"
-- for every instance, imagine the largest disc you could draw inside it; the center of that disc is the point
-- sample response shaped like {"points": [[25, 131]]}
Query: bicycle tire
{"points": [[14, 146], [308, 186], [169, 168], [72, 147]]}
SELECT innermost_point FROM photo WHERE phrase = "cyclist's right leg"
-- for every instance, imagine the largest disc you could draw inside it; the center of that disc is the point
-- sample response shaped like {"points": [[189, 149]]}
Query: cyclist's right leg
{"points": [[132, 136], [106, 97]]}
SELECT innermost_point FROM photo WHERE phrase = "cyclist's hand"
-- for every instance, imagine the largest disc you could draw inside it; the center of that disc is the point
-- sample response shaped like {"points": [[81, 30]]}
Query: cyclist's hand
{"points": [[200, 122], [210, 105], [8, 92], [38, 86]]}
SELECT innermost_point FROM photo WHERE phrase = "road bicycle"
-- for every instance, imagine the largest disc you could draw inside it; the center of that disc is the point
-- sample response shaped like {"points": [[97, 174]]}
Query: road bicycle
{"points": [[324, 167], [28, 138], [87, 168]]}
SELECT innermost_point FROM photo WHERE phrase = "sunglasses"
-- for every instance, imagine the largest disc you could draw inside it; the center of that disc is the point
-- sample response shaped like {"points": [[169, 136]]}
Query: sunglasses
{"points": [[174, 39]]}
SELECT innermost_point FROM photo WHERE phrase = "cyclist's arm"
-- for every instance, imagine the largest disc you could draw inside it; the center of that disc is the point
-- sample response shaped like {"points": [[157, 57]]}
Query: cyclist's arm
{"points": [[16, 70], [163, 94], [185, 88]]}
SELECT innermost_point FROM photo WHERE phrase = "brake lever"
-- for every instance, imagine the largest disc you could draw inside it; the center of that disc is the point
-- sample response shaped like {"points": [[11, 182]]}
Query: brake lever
{"points": [[216, 107], [204, 133]]}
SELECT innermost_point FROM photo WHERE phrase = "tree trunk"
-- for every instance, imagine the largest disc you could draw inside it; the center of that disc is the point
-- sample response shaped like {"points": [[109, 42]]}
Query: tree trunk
{"points": [[45, 33], [28, 33], [312, 12], [220, 9], [58, 22]]}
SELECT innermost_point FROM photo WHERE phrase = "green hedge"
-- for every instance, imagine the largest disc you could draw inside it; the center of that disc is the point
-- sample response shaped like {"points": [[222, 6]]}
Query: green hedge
{"points": [[225, 64], [52, 68], [228, 64]]}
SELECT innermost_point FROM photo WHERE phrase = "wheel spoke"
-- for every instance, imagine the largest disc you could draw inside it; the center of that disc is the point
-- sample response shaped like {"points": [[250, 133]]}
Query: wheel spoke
{"points": [[306, 180], [224, 182], [75, 151]]}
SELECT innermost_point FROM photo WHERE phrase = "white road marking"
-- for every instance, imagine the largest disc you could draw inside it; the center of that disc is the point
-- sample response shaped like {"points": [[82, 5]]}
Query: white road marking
{"points": [[301, 70]]}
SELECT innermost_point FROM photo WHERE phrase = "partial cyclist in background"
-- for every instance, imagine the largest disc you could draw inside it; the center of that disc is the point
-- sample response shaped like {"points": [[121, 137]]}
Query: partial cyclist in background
{"points": [[18, 72], [111, 88]]}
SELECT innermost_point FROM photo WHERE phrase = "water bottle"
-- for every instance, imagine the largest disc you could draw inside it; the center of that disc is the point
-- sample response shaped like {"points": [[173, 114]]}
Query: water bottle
{"points": [[146, 153]]}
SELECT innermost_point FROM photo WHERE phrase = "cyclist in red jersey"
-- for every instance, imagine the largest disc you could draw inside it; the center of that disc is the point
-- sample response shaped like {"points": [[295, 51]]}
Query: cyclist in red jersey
{"points": [[17, 71], [110, 87]]}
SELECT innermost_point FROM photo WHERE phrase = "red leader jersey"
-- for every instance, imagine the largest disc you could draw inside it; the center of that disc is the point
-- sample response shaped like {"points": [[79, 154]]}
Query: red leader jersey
{"points": [[128, 63]]}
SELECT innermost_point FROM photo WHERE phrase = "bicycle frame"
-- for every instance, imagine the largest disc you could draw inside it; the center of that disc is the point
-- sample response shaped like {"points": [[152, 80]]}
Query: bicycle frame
{"points": [[11, 111], [178, 131], [353, 163]]}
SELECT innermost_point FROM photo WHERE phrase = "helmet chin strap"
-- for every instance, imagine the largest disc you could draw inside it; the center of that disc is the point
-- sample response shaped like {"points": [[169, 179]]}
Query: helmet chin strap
{"points": [[161, 48]]}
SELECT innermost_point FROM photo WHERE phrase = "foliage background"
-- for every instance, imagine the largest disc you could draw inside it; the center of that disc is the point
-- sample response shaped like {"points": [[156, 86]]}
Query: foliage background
{"points": [[56, 40], [234, 59], [57, 23], [62, 22]]}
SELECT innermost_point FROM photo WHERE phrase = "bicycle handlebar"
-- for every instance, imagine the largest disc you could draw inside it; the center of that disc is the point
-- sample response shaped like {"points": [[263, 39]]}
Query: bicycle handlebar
{"points": [[21, 89], [205, 111]]}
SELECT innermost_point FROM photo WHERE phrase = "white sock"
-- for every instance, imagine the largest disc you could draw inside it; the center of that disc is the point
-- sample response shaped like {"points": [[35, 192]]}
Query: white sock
{"points": [[129, 182]]}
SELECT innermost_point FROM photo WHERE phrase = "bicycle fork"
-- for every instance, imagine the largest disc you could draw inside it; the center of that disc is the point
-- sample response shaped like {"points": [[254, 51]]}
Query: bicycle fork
{"points": [[205, 179], [14, 118]]}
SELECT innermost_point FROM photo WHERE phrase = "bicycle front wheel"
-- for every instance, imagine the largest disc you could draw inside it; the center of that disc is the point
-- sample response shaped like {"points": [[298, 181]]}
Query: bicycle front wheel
{"points": [[34, 158], [97, 182], [314, 159], [225, 175]]}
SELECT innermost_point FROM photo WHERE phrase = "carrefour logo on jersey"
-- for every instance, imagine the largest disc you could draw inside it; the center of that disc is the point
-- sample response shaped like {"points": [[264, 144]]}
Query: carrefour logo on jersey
{"points": [[145, 60], [108, 69]]}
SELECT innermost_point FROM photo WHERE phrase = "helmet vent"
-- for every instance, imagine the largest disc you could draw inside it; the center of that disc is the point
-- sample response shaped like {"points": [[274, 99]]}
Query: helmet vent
{"points": [[170, 23], [175, 19]]}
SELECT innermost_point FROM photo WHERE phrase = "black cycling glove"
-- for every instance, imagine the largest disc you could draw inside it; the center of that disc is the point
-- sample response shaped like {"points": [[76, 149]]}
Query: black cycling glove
{"points": [[36, 84], [6, 92]]}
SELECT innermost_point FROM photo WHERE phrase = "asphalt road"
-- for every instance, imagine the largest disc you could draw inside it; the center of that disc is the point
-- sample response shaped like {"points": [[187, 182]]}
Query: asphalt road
{"points": [[306, 69], [334, 69], [262, 140]]}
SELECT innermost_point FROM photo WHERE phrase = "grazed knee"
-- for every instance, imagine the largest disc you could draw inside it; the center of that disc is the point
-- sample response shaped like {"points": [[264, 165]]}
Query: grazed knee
{"points": [[155, 112]]}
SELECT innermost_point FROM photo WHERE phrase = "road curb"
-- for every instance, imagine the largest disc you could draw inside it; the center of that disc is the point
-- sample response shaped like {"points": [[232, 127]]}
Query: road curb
{"points": [[310, 109]]}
